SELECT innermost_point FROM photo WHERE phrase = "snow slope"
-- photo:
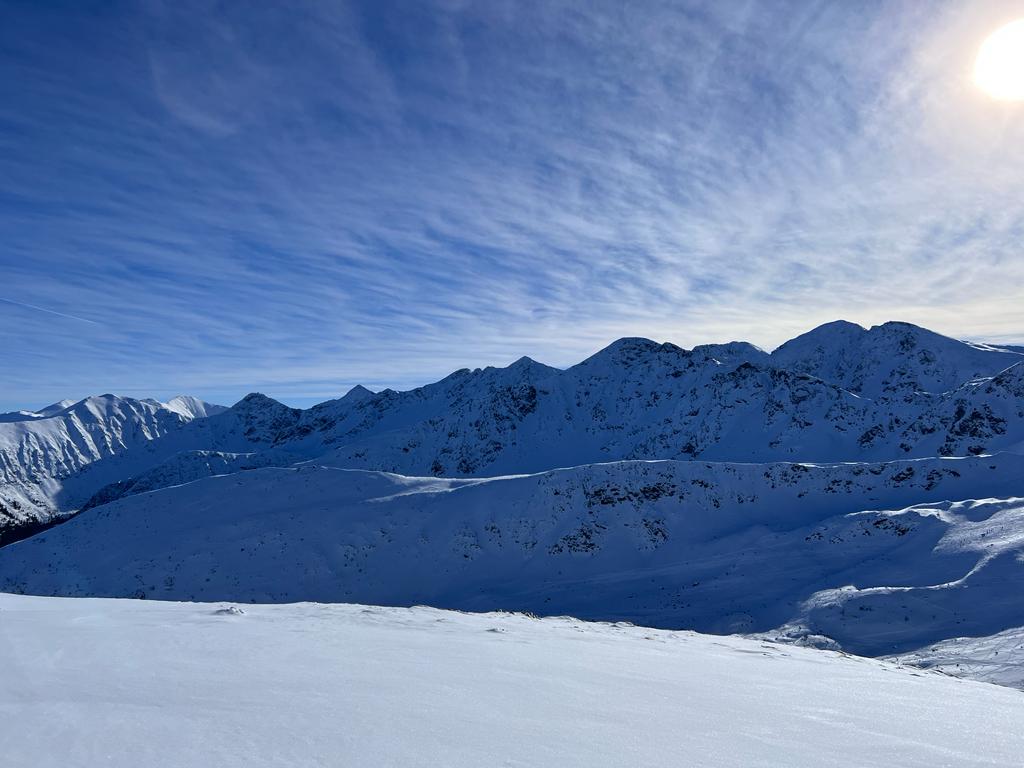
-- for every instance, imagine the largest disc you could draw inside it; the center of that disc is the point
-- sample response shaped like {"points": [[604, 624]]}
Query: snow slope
{"points": [[42, 413], [870, 556], [38, 449], [978, 596], [893, 360], [191, 407], [997, 658], [637, 399], [856, 488], [133, 683], [839, 393], [185, 467]]}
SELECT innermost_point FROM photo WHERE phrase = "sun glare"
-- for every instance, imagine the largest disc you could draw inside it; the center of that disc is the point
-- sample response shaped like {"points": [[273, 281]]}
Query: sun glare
{"points": [[999, 69]]}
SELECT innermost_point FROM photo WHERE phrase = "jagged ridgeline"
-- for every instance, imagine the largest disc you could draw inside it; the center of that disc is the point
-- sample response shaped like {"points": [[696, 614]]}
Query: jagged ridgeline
{"points": [[855, 488], [837, 393]]}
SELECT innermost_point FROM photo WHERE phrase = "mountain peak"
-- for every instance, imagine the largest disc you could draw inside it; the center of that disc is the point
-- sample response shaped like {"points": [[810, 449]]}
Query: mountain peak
{"points": [[528, 366], [256, 401], [358, 392], [894, 359], [837, 331], [99, 406], [840, 324], [899, 325], [629, 349], [60, 405], [731, 353], [192, 407]]}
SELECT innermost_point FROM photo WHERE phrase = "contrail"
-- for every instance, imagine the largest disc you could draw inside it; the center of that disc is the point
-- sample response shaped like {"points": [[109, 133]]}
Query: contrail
{"points": [[49, 311]]}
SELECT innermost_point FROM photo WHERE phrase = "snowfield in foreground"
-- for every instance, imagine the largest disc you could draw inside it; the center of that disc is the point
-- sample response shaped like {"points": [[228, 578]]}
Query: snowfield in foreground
{"points": [[137, 683]]}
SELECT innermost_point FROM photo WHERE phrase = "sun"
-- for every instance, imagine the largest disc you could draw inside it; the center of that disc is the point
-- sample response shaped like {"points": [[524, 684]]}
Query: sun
{"points": [[999, 68]]}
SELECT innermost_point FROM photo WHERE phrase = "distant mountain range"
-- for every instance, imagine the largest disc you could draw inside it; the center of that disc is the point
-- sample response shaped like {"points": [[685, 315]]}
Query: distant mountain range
{"points": [[837, 393], [855, 488]]}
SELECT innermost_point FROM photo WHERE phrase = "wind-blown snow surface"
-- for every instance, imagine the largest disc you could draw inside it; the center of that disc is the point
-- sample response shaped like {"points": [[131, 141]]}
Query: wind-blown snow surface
{"points": [[869, 556], [133, 683]]}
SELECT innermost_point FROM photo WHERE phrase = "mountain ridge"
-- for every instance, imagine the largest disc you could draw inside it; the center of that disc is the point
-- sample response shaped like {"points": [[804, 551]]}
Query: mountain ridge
{"points": [[634, 399], [856, 488]]}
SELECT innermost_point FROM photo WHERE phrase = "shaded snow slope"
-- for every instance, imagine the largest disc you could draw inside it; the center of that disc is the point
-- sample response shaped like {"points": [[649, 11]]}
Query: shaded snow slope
{"points": [[186, 467], [833, 550], [968, 583], [133, 683]]}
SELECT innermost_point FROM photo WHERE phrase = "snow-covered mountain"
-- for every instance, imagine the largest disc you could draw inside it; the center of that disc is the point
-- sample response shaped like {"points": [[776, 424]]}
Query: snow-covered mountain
{"points": [[189, 407], [980, 416], [893, 360], [641, 400], [138, 683], [839, 393], [185, 467], [713, 547], [832, 492], [638, 399], [42, 413], [38, 449]]}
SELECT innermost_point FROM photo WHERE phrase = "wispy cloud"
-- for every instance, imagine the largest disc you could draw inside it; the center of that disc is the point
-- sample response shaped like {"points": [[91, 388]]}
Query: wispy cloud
{"points": [[298, 201]]}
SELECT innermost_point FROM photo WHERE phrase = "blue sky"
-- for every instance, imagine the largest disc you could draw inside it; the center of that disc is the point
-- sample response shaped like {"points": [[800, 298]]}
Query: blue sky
{"points": [[213, 198]]}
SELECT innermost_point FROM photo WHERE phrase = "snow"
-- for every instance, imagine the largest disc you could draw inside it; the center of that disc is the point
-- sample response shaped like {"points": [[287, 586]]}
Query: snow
{"points": [[42, 413], [838, 393], [856, 488], [870, 557], [890, 360], [997, 658], [37, 451], [898, 392], [55, 460], [192, 407], [138, 683], [358, 392]]}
